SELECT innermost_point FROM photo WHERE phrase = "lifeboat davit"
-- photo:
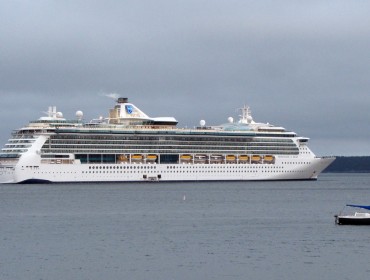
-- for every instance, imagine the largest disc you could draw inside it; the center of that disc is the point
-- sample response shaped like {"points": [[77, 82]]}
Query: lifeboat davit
{"points": [[216, 158], [200, 158]]}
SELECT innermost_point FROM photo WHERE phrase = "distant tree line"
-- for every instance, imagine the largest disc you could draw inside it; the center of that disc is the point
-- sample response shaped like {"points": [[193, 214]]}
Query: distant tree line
{"points": [[350, 165]]}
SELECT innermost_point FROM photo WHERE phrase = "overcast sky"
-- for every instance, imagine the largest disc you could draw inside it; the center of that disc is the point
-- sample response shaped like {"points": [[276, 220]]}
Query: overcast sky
{"points": [[303, 65]]}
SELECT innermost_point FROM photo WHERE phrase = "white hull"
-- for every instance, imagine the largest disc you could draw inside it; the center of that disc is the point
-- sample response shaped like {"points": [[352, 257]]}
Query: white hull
{"points": [[59, 173]]}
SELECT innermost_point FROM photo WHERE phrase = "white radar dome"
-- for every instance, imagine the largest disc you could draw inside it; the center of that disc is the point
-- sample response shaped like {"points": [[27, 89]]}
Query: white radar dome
{"points": [[230, 119], [79, 115], [59, 115], [202, 123]]}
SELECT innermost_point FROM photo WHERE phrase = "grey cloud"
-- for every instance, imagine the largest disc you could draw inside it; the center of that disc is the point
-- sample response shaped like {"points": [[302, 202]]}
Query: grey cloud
{"points": [[303, 65]]}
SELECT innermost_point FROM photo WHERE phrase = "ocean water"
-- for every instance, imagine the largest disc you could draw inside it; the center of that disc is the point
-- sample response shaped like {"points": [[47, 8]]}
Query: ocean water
{"points": [[206, 230]]}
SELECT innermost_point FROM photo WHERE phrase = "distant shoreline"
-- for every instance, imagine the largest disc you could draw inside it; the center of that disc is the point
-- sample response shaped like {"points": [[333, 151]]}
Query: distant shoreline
{"points": [[349, 164]]}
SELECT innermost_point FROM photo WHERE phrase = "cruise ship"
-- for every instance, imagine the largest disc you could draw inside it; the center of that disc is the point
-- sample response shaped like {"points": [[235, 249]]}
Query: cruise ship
{"points": [[130, 146]]}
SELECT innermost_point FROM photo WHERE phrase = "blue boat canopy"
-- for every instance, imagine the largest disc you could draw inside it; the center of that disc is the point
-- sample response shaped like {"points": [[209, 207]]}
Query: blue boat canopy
{"points": [[359, 206]]}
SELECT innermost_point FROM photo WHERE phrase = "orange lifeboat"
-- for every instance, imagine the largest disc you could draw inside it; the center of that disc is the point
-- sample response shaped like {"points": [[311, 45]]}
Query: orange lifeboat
{"points": [[243, 158], [256, 158], [268, 158], [136, 157], [186, 157], [151, 157], [230, 158], [122, 158]]}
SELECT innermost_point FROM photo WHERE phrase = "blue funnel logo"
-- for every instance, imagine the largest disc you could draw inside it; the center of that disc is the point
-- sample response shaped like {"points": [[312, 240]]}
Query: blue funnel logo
{"points": [[129, 109]]}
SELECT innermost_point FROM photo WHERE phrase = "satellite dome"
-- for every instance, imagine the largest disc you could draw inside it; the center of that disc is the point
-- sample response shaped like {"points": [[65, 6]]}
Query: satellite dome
{"points": [[79, 115], [230, 119], [202, 123], [59, 115]]}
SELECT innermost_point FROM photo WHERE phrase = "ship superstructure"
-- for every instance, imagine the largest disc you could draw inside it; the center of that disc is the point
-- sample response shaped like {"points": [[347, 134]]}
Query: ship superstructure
{"points": [[129, 145]]}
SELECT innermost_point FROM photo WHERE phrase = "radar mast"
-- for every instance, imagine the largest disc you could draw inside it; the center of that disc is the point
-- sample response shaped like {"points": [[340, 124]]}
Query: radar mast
{"points": [[246, 115]]}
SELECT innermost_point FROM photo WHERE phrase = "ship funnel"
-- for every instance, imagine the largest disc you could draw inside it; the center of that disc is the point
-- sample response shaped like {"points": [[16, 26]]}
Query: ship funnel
{"points": [[122, 100]]}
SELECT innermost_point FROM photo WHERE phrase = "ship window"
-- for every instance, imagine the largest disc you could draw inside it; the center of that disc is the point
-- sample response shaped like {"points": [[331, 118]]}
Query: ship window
{"points": [[95, 158]]}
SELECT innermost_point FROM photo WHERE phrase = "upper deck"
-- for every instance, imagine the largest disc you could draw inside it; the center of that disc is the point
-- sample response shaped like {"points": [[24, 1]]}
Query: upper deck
{"points": [[126, 118]]}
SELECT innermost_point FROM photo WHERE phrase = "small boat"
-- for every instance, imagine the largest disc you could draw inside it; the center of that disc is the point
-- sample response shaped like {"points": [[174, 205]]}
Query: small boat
{"points": [[357, 218], [122, 158], [137, 158], [186, 157], [151, 157], [256, 158], [243, 158], [268, 159], [230, 158]]}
